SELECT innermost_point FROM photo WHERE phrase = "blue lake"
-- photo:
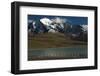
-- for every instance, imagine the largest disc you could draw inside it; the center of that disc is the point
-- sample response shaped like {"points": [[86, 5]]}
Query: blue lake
{"points": [[58, 53]]}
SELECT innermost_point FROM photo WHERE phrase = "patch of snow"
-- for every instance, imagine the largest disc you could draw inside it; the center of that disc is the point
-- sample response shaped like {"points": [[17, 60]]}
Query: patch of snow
{"points": [[34, 24], [84, 27], [52, 31], [46, 21]]}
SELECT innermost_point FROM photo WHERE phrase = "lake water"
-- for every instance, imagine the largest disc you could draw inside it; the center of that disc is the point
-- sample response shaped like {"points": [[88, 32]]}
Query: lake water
{"points": [[57, 53]]}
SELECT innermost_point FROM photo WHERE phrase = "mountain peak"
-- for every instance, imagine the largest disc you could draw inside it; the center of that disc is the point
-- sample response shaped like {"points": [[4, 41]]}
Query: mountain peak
{"points": [[46, 21]]}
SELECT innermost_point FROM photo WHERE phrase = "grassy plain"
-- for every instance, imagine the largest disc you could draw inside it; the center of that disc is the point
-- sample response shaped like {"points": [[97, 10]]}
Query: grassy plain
{"points": [[52, 40]]}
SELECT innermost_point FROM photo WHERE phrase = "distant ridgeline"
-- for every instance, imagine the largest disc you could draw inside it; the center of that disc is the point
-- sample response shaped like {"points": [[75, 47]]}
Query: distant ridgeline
{"points": [[57, 25]]}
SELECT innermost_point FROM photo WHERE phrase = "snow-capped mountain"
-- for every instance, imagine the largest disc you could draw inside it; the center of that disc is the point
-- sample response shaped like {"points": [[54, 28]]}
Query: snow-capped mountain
{"points": [[48, 24], [46, 21], [56, 25]]}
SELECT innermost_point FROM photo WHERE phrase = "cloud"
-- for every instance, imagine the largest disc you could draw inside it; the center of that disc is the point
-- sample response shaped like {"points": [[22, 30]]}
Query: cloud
{"points": [[59, 20]]}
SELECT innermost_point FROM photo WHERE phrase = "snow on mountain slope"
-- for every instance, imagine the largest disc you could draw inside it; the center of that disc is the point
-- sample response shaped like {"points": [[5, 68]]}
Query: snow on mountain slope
{"points": [[57, 25], [84, 27], [46, 21], [54, 25]]}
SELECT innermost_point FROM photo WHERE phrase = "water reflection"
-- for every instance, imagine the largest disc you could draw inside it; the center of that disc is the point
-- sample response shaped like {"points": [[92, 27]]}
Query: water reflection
{"points": [[57, 53]]}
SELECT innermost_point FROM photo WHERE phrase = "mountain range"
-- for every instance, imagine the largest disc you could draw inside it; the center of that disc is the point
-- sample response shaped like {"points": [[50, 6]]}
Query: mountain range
{"points": [[58, 25]]}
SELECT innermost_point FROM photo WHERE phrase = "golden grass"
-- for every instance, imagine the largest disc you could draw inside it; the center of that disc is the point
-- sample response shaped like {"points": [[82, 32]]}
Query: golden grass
{"points": [[52, 40]]}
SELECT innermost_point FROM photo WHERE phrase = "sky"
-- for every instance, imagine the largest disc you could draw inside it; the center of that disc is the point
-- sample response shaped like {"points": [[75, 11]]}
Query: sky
{"points": [[74, 20]]}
